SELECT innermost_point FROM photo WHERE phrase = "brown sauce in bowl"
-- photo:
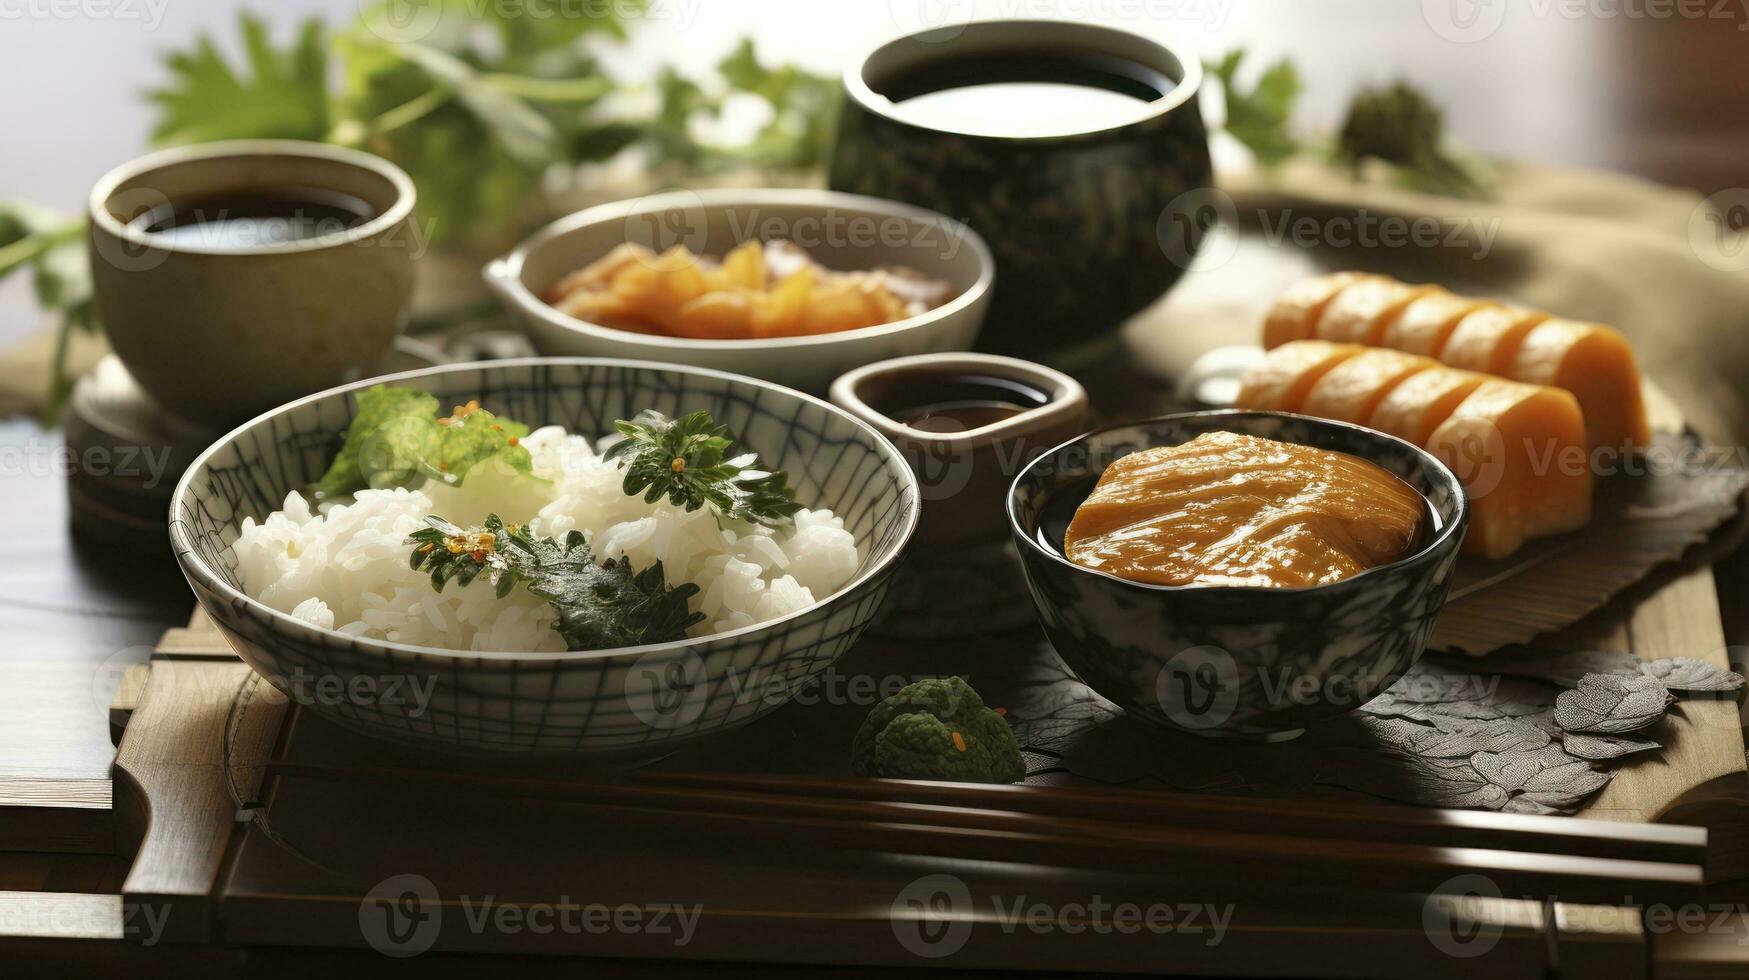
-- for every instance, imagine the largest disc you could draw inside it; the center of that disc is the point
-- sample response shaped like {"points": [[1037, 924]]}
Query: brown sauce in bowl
{"points": [[1226, 509]]}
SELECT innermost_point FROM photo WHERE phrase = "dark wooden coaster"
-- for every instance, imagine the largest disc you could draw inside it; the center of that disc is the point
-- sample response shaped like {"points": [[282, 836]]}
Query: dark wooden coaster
{"points": [[123, 456]]}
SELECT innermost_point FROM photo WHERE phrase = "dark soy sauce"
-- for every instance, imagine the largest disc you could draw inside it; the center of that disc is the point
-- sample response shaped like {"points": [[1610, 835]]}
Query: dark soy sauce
{"points": [[1044, 94], [255, 218], [955, 402]]}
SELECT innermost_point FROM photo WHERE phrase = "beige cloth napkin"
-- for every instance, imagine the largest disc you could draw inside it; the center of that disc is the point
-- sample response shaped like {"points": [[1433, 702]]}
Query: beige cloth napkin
{"points": [[1581, 244]]}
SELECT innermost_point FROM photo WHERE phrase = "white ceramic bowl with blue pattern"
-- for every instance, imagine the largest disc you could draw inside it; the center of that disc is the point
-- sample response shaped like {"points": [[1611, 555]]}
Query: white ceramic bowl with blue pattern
{"points": [[613, 705], [846, 232]]}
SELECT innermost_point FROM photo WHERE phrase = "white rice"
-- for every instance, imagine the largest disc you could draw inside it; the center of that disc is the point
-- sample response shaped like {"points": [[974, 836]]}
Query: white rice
{"points": [[347, 569]]}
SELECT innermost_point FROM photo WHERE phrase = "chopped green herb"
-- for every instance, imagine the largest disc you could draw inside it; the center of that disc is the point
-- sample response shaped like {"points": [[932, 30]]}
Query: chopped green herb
{"points": [[600, 606], [688, 461]]}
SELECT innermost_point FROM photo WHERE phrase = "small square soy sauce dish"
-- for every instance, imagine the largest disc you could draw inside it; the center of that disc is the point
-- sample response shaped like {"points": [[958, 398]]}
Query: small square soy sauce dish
{"points": [[966, 423]]}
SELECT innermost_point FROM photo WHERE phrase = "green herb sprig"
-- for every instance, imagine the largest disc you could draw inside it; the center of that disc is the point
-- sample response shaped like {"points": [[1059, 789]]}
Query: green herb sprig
{"points": [[1397, 124], [1401, 126], [1259, 117], [600, 605], [479, 107], [688, 461], [51, 248]]}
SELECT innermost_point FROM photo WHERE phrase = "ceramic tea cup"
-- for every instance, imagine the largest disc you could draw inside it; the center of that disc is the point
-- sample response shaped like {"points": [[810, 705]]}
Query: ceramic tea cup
{"points": [[1092, 215], [231, 315]]}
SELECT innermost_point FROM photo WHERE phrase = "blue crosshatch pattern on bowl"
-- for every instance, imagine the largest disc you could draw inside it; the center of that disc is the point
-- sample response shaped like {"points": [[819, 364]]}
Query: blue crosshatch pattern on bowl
{"points": [[634, 703]]}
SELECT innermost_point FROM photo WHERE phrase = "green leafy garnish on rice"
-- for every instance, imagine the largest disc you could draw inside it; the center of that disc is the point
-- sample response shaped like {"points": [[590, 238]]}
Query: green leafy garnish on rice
{"points": [[600, 605], [688, 461], [398, 440]]}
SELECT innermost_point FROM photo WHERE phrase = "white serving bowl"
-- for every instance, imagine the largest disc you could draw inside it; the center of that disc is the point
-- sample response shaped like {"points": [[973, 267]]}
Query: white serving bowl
{"points": [[841, 231]]}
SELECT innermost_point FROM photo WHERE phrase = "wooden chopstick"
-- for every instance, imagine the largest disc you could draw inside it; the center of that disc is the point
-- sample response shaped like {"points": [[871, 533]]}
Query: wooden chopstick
{"points": [[1383, 823], [1004, 834]]}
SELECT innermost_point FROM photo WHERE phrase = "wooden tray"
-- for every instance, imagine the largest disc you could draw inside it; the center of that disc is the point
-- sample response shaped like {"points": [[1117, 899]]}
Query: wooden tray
{"points": [[304, 862]]}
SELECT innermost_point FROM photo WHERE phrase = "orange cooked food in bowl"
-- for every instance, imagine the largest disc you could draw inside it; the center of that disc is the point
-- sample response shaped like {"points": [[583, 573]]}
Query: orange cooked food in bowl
{"points": [[1226, 509], [757, 290]]}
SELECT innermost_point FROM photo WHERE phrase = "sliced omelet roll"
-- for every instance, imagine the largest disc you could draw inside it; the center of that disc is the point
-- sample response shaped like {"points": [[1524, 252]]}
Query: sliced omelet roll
{"points": [[1487, 339], [1295, 312], [1591, 360], [1413, 409], [1351, 390], [1359, 313], [1426, 324], [1520, 451], [1286, 375], [1596, 364]]}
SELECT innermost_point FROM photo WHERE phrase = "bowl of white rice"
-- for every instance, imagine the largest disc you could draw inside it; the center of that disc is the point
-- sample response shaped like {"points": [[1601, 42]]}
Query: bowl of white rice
{"points": [[319, 595]]}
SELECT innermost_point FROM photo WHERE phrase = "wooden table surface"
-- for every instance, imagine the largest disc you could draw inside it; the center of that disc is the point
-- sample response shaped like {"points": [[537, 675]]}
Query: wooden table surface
{"points": [[1660, 96]]}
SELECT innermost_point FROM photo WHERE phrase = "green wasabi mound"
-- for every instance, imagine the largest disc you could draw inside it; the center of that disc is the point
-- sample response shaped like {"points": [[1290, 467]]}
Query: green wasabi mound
{"points": [[912, 735]]}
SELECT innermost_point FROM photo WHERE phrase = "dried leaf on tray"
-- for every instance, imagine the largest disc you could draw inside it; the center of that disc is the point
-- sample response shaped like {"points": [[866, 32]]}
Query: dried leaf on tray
{"points": [[1567, 667], [1689, 674], [1612, 703], [1511, 771], [1566, 786], [1604, 747], [1050, 708], [1449, 738], [1440, 736], [1433, 690], [1524, 804], [1412, 779], [1463, 710], [1639, 523]]}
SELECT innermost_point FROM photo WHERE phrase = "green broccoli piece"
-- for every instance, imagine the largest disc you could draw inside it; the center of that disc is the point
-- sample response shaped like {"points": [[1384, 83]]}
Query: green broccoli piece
{"points": [[912, 735]]}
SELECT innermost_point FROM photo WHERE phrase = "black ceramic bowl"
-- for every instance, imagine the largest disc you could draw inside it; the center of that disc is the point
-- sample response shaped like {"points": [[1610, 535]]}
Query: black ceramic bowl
{"points": [[1233, 661], [1087, 226]]}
